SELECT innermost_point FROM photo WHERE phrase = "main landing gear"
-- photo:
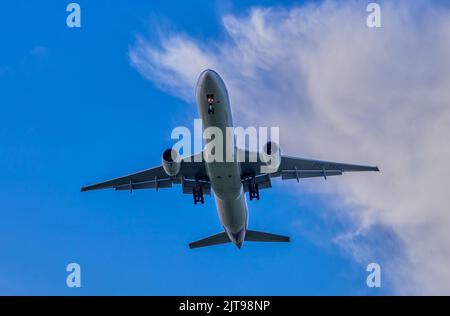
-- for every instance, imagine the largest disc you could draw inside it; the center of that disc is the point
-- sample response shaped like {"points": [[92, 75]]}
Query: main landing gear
{"points": [[253, 190], [197, 192]]}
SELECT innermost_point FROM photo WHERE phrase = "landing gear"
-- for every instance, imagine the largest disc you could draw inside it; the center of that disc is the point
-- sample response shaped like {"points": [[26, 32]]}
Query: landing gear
{"points": [[253, 190], [210, 100], [197, 192]]}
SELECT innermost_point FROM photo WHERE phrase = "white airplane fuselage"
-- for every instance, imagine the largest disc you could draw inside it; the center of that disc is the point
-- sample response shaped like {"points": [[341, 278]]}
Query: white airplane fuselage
{"points": [[225, 177]]}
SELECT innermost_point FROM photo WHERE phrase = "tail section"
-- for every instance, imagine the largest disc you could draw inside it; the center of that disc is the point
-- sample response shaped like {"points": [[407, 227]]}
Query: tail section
{"points": [[253, 235], [221, 238], [250, 235]]}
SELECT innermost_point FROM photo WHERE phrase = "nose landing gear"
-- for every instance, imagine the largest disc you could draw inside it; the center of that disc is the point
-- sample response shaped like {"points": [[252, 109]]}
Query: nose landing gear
{"points": [[210, 100]]}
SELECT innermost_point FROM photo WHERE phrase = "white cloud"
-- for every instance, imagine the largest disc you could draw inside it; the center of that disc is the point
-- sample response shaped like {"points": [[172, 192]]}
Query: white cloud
{"points": [[347, 93]]}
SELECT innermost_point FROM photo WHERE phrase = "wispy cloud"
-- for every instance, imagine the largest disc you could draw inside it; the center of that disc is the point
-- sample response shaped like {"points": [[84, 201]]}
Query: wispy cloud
{"points": [[350, 93]]}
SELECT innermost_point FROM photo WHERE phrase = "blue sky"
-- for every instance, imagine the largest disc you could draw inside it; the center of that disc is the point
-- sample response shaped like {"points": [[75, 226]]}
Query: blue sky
{"points": [[74, 111]]}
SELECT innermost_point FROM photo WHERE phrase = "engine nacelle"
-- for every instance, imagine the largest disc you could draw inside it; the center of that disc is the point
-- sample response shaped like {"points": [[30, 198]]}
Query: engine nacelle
{"points": [[271, 157], [171, 162]]}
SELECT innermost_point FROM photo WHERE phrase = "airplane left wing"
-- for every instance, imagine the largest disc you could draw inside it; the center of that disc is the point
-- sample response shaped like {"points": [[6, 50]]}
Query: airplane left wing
{"points": [[191, 174], [295, 168]]}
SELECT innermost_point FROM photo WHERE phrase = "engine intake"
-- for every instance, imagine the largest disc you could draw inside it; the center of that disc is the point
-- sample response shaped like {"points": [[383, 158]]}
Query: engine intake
{"points": [[271, 157], [171, 162]]}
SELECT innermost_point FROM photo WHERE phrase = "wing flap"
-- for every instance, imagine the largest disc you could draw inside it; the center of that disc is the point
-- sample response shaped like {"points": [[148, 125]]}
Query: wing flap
{"points": [[295, 174], [157, 184]]}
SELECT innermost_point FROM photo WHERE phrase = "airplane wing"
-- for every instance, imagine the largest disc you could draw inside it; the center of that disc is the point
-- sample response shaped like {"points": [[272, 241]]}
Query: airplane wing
{"points": [[297, 168], [191, 174]]}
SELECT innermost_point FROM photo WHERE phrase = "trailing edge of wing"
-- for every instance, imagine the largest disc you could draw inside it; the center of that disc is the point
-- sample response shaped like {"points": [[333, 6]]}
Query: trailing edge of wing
{"points": [[293, 174], [156, 184]]}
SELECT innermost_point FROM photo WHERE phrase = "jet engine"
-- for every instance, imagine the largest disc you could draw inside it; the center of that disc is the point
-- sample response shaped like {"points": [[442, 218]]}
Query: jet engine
{"points": [[271, 157], [171, 162]]}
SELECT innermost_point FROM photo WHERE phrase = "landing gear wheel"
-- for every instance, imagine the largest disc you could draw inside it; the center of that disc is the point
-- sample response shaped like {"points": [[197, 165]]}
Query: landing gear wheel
{"points": [[197, 193], [210, 100], [253, 191]]}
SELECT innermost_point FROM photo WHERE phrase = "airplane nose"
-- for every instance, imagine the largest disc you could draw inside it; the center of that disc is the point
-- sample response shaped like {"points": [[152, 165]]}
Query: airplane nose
{"points": [[210, 90], [207, 77]]}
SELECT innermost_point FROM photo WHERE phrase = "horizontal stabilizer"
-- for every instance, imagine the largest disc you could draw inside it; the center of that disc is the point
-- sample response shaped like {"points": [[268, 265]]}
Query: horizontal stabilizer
{"points": [[221, 238], [253, 235]]}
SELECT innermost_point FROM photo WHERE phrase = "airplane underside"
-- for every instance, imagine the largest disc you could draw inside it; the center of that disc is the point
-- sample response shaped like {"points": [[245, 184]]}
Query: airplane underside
{"points": [[230, 180]]}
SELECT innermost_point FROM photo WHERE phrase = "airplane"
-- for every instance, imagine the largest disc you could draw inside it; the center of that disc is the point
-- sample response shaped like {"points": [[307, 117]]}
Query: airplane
{"points": [[229, 181]]}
